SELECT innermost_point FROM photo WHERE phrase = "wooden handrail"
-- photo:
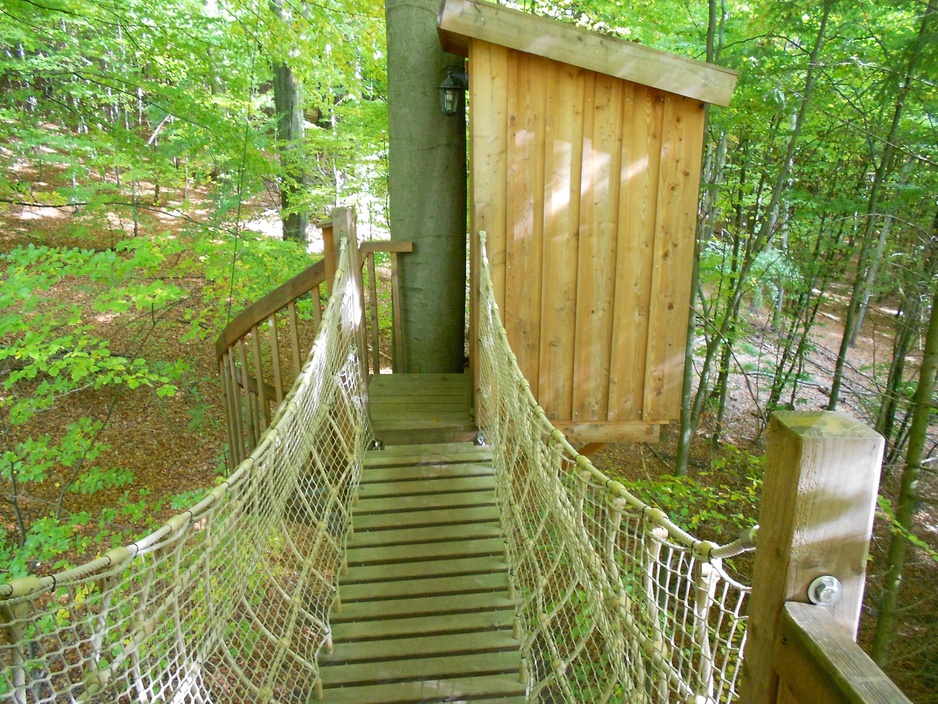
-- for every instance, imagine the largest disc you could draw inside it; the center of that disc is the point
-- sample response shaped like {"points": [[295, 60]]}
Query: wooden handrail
{"points": [[263, 308], [257, 369], [373, 246], [299, 285], [817, 661]]}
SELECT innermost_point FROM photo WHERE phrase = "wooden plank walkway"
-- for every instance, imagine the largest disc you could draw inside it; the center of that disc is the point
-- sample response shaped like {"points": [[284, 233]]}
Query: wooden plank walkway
{"points": [[421, 408], [425, 614]]}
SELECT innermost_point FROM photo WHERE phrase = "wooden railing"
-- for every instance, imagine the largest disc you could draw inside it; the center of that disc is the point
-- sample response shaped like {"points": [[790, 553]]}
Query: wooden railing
{"points": [[261, 351], [819, 497], [817, 661]]}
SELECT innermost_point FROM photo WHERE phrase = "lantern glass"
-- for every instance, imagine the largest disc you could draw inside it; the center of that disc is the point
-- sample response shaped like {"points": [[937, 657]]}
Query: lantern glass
{"points": [[449, 96]]}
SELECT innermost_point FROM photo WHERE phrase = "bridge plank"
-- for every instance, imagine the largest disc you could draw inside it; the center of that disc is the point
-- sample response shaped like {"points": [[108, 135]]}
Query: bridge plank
{"points": [[439, 517], [424, 668], [425, 486], [404, 648], [423, 606], [422, 391], [440, 534], [419, 379], [456, 689], [442, 420], [399, 589], [396, 408], [422, 626], [423, 552], [432, 568], [408, 472], [402, 504], [405, 455]]}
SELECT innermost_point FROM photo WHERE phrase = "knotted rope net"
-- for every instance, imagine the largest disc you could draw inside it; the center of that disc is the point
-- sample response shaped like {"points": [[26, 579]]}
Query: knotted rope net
{"points": [[228, 601], [615, 602]]}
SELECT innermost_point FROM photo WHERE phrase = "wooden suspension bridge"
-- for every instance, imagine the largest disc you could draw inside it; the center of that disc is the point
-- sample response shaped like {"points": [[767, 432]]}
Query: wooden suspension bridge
{"points": [[587, 189]]}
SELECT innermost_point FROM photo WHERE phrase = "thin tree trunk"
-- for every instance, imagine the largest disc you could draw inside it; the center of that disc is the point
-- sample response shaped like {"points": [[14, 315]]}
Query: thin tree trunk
{"points": [[883, 170], [907, 325], [908, 495], [872, 274], [691, 417], [687, 426]]}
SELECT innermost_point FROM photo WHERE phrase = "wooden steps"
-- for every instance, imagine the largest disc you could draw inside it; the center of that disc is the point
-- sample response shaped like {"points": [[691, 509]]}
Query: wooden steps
{"points": [[425, 614], [421, 408]]}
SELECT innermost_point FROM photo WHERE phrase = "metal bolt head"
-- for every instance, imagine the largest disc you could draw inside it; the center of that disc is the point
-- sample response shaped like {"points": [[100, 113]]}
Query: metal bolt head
{"points": [[825, 590]]}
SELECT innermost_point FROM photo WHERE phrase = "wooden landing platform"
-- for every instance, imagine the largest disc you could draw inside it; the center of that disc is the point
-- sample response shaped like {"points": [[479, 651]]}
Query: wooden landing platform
{"points": [[425, 615], [421, 408]]}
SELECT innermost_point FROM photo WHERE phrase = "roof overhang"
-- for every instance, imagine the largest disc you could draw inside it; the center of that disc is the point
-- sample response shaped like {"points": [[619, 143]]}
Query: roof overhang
{"points": [[463, 20]]}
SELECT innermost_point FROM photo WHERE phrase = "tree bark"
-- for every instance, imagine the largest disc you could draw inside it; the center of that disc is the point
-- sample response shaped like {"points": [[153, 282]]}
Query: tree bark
{"points": [[288, 102], [427, 184]]}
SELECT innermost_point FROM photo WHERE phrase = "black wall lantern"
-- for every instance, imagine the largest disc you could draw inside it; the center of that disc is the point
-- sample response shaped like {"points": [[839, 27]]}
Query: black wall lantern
{"points": [[452, 89]]}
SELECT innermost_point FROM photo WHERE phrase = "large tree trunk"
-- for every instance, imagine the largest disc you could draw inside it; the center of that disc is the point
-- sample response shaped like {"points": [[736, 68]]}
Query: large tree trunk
{"points": [[427, 183], [288, 102]]}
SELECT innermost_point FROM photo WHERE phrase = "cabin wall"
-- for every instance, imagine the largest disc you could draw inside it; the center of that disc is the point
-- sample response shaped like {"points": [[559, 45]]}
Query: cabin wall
{"points": [[586, 186]]}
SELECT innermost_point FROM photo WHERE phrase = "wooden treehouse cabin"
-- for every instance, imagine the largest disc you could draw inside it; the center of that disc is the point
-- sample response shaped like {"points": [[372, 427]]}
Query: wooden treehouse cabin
{"points": [[584, 162]]}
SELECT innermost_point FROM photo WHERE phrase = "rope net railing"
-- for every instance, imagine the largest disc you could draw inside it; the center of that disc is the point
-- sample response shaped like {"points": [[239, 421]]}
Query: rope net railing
{"points": [[614, 601], [228, 601]]}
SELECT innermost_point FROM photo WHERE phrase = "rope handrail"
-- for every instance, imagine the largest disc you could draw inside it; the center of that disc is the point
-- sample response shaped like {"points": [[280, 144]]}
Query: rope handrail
{"points": [[615, 601], [229, 600]]}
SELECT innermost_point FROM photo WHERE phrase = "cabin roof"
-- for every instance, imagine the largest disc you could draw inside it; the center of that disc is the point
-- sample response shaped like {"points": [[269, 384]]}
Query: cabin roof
{"points": [[463, 20]]}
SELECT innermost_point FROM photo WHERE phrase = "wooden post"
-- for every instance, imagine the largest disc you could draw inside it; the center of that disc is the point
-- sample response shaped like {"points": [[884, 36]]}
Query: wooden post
{"points": [[328, 252], [343, 221], [819, 498]]}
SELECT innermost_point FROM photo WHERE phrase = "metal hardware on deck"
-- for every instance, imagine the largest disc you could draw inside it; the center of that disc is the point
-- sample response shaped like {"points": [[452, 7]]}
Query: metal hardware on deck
{"points": [[825, 590]]}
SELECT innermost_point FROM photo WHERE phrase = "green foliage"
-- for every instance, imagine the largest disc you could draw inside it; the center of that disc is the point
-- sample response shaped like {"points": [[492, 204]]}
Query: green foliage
{"points": [[50, 352], [888, 513], [710, 504], [772, 271]]}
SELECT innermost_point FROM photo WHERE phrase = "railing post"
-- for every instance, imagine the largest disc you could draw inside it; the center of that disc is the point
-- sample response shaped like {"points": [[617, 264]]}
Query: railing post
{"points": [[343, 222], [818, 501], [329, 254]]}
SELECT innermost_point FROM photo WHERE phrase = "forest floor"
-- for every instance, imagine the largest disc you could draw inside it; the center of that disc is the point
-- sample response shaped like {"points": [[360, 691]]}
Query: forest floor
{"points": [[174, 446]]}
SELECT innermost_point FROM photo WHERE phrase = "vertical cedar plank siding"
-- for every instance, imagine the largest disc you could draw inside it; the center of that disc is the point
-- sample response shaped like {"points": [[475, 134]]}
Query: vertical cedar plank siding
{"points": [[587, 187]]}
